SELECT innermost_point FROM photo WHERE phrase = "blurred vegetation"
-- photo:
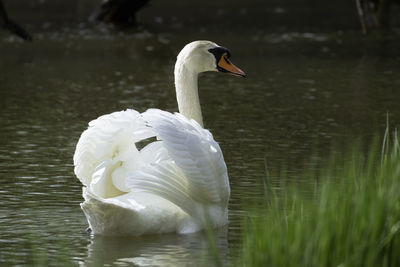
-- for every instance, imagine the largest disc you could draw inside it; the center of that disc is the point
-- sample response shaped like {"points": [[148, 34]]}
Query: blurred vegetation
{"points": [[286, 14], [351, 219]]}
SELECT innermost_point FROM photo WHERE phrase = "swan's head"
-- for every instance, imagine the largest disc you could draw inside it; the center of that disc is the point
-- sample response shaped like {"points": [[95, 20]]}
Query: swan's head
{"points": [[201, 56]]}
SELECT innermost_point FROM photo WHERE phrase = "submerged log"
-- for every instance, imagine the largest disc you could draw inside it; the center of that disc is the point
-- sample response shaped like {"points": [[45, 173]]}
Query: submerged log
{"points": [[10, 25], [374, 13], [368, 12], [118, 11]]}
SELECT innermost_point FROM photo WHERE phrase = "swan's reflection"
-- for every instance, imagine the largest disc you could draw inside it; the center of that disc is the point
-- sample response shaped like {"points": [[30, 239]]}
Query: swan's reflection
{"points": [[156, 250]]}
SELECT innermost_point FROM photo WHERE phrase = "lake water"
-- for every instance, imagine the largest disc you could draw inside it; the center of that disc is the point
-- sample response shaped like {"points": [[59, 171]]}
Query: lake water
{"points": [[313, 81]]}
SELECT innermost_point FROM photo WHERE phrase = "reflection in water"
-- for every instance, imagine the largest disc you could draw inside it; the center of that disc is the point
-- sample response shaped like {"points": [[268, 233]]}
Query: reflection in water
{"points": [[157, 250], [307, 87]]}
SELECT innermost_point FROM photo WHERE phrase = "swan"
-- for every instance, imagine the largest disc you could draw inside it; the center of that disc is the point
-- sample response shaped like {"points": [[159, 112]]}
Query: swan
{"points": [[178, 182]]}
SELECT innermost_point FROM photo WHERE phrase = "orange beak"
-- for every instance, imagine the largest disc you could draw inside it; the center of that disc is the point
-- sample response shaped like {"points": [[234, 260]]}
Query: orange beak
{"points": [[225, 64]]}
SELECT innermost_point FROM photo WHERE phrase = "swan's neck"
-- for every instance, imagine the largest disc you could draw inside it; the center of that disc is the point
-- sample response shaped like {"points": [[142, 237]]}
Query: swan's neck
{"points": [[187, 92]]}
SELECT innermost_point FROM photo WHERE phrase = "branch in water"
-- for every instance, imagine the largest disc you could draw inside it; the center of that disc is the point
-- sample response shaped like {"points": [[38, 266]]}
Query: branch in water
{"points": [[118, 11], [12, 26]]}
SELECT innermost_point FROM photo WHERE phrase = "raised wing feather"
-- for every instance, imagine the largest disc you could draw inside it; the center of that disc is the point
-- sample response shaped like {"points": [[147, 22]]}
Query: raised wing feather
{"points": [[164, 179], [109, 138], [195, 152]]}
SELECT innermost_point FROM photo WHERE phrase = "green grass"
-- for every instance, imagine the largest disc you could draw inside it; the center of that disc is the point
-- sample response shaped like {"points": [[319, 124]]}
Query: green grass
{"points": [[352, 218]]}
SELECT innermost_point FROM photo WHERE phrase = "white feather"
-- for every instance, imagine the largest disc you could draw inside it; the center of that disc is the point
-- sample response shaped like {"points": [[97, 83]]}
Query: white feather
{"points": [[195, 152]]}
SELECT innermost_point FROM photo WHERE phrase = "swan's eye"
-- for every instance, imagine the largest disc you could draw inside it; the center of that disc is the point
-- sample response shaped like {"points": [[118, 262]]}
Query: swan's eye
{"points": [[219, 52]]}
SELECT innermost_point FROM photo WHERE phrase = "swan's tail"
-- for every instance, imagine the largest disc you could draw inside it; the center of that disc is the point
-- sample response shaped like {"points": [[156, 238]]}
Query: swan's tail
{"points": [[125, 215]]}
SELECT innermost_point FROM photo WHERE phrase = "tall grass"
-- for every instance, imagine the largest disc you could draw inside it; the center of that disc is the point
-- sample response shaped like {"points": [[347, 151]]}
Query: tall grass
{"points": [[351, 219]]}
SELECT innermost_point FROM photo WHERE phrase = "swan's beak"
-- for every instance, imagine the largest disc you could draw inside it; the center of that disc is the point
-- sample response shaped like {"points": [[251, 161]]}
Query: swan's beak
{"points": [[225, 64]]}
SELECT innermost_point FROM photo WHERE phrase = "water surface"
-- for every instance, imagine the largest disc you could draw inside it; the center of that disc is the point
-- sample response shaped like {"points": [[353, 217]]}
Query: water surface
{"points": [[309, 85]]}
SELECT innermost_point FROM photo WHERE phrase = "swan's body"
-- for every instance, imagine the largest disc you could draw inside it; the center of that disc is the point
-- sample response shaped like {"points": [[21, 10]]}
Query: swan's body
{"points": [[175, 184]]}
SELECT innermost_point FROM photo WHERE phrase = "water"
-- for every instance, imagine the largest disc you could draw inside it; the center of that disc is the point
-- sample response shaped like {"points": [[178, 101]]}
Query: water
{"points": [[309, 85]]}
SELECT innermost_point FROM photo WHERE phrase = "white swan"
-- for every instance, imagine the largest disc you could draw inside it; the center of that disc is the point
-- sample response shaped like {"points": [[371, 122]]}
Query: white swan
{"points": [[175, 184]]}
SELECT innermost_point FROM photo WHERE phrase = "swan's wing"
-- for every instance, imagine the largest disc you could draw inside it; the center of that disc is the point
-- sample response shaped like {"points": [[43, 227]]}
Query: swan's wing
{"points": [[201, 174], [108, 140], [164, 179]]}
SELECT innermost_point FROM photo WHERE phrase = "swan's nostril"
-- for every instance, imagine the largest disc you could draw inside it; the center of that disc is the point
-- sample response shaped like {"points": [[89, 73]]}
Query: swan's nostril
{"points": [[227, 61]]}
